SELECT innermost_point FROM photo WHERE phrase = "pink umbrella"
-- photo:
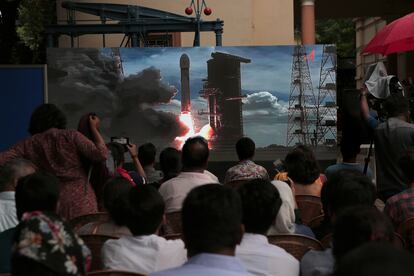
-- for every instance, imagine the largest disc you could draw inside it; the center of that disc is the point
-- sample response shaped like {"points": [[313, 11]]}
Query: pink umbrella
{"points": [[398, 36]]}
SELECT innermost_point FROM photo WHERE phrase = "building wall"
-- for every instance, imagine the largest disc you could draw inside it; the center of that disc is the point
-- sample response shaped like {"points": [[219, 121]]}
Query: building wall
{"points": [[366, 28], [401, 64], [246, 22]]}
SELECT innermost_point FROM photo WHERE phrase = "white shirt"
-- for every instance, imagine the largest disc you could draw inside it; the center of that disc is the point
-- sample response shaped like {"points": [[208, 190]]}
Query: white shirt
{"points": [[262, 258], [143, 254], [285, 219], [176, 189], [8, 217]]}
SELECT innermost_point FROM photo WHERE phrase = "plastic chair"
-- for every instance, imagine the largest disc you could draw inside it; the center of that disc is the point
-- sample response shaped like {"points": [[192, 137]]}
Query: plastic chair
{"points": [[80, 221], [114, 273], [309, 206], [316, 221], [95, 243], [327, 241], [296, 245], [406, 231], [173, 236], [173, 225], [399, 241]]}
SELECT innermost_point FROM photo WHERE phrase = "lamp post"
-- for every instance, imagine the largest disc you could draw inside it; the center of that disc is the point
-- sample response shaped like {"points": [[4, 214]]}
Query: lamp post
{"points": [[198, 6]]}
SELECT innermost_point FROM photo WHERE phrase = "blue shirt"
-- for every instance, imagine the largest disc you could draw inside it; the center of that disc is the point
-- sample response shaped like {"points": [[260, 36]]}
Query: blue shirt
{"points": [[207, 265], [317, 263], [305, 230], [346, 166], [372, 122]]}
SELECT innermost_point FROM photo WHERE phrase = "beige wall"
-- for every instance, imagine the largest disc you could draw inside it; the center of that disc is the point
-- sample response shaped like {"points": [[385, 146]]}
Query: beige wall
{"points": [[365, 31], [400, 64], [246, 22]]}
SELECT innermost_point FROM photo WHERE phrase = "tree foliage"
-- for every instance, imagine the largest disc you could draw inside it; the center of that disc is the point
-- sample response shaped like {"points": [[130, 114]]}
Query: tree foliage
{"points": [[338, 31], [33, 16]]}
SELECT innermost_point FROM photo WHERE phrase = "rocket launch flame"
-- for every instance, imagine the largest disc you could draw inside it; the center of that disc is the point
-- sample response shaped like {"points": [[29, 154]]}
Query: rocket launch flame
{"points": [[206, 131]]}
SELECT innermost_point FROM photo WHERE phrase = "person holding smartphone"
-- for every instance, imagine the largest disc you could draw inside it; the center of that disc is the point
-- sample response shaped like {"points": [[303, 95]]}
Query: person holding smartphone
{"points": [[59, 151]]}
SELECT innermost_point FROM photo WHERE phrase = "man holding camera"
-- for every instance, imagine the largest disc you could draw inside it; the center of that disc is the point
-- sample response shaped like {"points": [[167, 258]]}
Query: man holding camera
{"points": [[392, 139]]}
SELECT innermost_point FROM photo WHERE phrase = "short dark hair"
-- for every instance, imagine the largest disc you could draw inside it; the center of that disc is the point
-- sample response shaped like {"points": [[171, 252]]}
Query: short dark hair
{"points": [[396, 105], [344, 189], [145, 210], [195, 153], [46, 116], [350, 148], [376, 259], [146, 154], [37, 192], [261, 203], [245, 148], [302, 166], [12, 171], [211, 218], [407, 164], [359, 225], [113, 198], [170, 162], [117, 151]]}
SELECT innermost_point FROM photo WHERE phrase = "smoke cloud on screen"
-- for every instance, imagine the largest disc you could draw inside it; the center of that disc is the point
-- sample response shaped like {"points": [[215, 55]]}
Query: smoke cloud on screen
{"points": [[87, 81]]}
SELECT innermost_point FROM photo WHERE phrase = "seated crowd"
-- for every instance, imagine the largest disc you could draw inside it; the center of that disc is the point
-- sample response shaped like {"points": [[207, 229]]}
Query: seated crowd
{"points": [[250, 225]]}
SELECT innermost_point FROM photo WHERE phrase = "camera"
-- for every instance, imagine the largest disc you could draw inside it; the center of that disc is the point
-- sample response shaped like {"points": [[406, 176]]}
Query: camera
{"points": [[381, 86]]}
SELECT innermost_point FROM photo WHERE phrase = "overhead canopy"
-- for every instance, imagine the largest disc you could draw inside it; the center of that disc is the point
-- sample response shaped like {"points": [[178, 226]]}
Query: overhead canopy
{"points": [[133, 21], [331, 9]]}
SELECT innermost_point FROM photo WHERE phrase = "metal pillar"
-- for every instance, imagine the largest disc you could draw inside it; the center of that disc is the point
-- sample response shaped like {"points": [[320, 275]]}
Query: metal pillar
{"points": [[134, 40], [198, 10], [219, 37]]}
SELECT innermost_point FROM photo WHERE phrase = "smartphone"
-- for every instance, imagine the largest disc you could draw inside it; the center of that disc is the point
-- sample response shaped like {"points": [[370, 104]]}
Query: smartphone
{"points": [[120, 140]]}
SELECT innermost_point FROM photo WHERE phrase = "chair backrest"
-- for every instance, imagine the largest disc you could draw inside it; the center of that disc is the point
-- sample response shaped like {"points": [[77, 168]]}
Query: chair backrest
{"points": [[173, 225], [296, 245], [173, 236], [326, 241], [406, 231], [237, 183], [316, 221], [95, 243], [309, 206], [80, 221], [399, 241], [114, 273]]}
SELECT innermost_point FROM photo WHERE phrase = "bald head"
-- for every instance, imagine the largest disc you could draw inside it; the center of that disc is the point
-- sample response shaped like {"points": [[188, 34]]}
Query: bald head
{"points": [[195, 154], [11, 172]]}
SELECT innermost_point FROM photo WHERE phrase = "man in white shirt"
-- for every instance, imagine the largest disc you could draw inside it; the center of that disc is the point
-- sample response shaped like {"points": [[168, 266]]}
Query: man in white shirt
{"points": [[211, 228], [145, 252], [9, 175], [195, 154], [261, 203]]}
